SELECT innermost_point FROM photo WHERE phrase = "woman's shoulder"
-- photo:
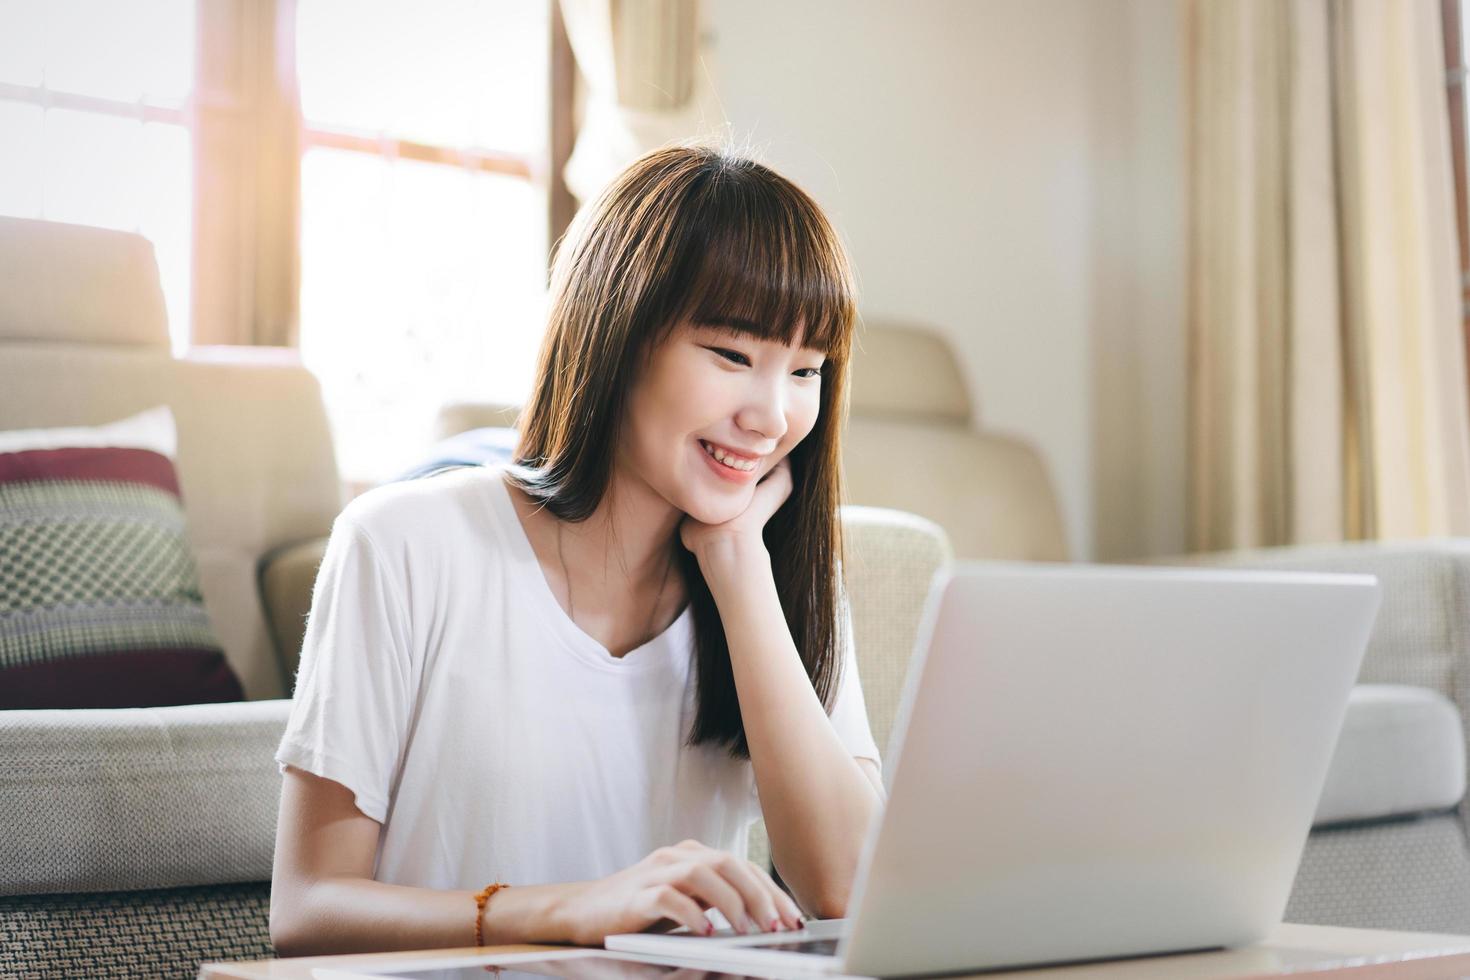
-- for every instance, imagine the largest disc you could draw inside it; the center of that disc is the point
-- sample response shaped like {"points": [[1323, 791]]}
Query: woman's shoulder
{"points": [[448, 505]]}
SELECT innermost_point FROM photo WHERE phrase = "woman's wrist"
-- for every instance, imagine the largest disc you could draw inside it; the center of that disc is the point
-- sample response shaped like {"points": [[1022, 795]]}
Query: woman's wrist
{"points": [[729, 559], [558, 921], [533, 914]]}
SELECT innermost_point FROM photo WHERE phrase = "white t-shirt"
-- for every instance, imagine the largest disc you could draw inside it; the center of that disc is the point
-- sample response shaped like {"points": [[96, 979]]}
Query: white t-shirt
{"points": [[444, 685]]}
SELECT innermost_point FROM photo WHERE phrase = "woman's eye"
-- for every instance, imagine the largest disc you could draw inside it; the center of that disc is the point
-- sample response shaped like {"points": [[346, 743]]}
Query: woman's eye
{"points": [[733, 356], [809, 373]]}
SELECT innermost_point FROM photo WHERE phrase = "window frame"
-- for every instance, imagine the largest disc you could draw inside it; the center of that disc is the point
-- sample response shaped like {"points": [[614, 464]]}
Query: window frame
{"points": [[1452, 16]]}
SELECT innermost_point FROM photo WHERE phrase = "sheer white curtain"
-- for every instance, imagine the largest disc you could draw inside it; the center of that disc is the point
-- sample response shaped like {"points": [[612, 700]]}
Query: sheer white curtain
{"points": [[1328, 393], [640, 62]]}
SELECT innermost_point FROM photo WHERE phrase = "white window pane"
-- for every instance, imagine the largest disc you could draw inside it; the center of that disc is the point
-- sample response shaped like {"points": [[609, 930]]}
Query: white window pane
{"points": [[89, 159], [459, 73], [132, 50], [1464, 33], [22, 41], [22, 162], [420, 284], [165, 193], [123, 174]]}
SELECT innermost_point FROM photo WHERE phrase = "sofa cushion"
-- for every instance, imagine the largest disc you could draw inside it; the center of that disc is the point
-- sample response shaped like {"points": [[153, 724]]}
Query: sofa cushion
{"points": [[112, 799], [165, 932], [100, 604], [1411, 875], [1401, 752]]}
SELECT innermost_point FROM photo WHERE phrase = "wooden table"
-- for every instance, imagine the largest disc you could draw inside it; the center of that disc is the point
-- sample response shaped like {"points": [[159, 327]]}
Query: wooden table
{"points": [[1351, 954]]}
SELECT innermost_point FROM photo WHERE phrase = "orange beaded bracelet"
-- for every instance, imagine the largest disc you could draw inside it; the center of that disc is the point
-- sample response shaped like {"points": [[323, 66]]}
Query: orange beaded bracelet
{"points": [[481, 897]]}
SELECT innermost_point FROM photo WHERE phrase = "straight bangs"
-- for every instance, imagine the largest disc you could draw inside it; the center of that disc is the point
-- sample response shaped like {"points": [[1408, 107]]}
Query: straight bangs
{"points": [[762, 261]]}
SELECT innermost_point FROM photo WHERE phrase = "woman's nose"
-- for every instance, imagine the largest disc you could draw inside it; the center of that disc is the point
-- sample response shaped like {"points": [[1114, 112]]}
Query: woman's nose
{"points": [[764, 411]]}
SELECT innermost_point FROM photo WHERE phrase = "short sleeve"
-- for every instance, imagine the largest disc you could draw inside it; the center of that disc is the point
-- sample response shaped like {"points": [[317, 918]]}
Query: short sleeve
{"points": [[352, 702], [849, 710]]}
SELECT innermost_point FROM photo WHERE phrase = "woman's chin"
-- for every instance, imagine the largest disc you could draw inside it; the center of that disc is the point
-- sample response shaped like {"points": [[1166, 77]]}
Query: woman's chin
{"points": [[708, 509]]}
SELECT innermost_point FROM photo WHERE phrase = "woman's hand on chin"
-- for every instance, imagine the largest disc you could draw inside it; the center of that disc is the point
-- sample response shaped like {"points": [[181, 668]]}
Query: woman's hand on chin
{"points": [[722, 547]]}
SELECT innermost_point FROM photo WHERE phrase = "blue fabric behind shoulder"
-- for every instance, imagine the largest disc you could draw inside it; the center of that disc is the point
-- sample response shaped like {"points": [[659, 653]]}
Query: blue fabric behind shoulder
{"points": [[475, 447]]}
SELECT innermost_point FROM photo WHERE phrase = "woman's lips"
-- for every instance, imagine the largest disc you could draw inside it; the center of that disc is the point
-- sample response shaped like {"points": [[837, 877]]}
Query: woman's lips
{"points": [[725, 472]]}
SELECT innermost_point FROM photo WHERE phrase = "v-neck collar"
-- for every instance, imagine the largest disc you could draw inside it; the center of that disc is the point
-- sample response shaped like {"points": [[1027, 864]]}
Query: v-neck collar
{"points": [[666, 648]]}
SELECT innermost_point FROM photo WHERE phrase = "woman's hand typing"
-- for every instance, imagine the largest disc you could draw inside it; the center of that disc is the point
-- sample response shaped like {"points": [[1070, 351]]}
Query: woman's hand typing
{"points": [[672, 887]]}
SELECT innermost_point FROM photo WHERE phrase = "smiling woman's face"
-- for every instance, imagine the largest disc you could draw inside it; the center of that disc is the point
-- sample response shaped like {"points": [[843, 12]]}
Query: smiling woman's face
{"points": [[713, 411]]}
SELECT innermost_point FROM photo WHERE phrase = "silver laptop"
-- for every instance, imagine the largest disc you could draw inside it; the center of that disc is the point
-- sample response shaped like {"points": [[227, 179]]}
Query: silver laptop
{"points": [[1087, 762]]}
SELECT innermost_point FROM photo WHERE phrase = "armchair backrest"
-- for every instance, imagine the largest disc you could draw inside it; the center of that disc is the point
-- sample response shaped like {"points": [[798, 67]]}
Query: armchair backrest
{"points": [[913, 443]]}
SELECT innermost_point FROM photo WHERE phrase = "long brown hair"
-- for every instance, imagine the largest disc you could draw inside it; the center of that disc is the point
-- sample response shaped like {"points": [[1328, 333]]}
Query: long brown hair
{"points": [[699, 234]]}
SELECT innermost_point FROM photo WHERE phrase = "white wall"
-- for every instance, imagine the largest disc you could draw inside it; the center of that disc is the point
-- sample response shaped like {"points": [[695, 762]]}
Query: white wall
{"points": [[988, 166], [1137, 329]]}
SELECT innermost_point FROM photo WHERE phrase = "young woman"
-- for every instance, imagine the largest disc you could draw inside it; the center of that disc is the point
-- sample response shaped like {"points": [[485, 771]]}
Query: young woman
{"points": [[584, 675]]}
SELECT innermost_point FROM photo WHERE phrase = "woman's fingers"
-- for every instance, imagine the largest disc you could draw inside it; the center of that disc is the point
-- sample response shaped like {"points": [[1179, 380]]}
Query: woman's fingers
{"points": [[773, 489], [758, 890], [743, 893], [741, 890], [789, 910], [700, 880], [671, 903]]}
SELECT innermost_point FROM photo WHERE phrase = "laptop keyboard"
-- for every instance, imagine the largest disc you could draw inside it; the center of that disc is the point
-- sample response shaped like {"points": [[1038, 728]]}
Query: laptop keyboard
{"points": [[823, 947]]}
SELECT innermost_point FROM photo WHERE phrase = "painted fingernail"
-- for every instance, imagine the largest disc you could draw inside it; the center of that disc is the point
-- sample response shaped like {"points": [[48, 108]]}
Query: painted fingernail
{"points": [[709, 928], [775, 926]]}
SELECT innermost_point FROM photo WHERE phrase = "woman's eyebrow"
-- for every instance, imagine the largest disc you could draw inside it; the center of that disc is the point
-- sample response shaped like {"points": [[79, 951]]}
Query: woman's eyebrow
{"points": [[731, 324], [743, 329]]}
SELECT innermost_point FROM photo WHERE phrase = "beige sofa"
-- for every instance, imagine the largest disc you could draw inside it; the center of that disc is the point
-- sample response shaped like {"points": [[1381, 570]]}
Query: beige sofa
{"points": [[1388, 848], [151, 830]]}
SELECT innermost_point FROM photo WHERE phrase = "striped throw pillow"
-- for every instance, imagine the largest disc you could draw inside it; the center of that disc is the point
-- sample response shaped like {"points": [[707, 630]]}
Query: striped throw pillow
{"points": [[100, 604]]}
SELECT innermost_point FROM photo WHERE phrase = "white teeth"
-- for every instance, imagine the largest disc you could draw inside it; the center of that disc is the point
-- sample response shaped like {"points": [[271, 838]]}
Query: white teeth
{"points": [[734, 462]]}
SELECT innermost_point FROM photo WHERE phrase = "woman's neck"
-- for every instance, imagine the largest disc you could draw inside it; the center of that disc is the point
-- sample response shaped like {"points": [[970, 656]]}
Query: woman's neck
{"points": [[612, 573], [632, 534]]}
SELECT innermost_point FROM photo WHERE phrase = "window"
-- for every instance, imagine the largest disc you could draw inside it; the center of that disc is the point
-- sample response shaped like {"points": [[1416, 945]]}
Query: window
{"points": [[425, 185], [423, 212], [95, 127]]}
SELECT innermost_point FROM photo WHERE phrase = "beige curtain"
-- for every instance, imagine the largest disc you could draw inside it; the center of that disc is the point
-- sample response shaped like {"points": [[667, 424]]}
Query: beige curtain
{"points": [[639, 60], [1327, 382], [247, 175]]}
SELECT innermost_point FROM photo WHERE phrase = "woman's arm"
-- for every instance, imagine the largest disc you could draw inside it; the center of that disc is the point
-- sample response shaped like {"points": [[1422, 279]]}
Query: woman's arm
{"points": [[324, 898], [816, 798]]}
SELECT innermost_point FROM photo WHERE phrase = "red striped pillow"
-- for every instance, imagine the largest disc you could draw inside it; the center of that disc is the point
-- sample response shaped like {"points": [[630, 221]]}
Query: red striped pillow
{"points": [[100, 604]]}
